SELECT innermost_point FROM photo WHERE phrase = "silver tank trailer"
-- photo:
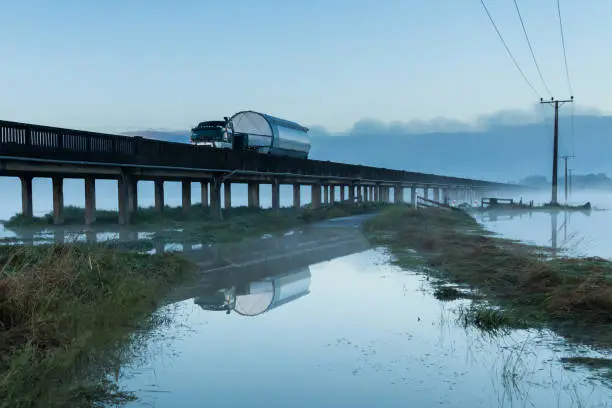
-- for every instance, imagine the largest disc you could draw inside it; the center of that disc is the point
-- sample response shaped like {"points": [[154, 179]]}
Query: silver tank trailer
{"points": [[268, 134]]}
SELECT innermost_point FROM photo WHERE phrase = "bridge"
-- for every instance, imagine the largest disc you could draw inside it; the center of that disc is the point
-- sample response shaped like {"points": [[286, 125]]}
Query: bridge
{"points": [[28, 151]]}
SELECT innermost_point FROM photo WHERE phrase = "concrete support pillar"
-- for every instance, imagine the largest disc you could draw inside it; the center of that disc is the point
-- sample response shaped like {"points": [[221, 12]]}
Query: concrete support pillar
{"points": [[376, 197], [132, 190], [253, 195], [426, 193], [315, 198], [158, 187], [227, 195], [58, 200], [325, 194], [122, 197], [275, 195], [342, 194], [398, 194], [215, 197], [445, 196], [436, 194], [360, 193], [332, 193], [186, 196], [413, 196], [297, 196], [27, 207], [204, 193], [352, 193], [90, 200]]}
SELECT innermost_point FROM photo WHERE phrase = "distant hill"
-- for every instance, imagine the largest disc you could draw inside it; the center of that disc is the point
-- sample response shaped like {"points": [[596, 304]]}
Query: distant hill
{"points": [[501, 152], [165, 135]]}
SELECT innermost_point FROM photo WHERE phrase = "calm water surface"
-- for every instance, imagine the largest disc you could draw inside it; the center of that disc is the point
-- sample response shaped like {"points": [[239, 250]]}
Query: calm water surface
{"points": [[572, 233], [348, 331]]}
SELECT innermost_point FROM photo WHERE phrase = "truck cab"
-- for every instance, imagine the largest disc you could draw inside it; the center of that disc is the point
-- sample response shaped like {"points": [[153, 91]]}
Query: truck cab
{"points": [[215, 134]]}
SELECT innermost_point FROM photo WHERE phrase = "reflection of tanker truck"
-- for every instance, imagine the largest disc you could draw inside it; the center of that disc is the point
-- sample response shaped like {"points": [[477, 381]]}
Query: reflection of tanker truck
{"points": [[253, 131], [252, 298]]}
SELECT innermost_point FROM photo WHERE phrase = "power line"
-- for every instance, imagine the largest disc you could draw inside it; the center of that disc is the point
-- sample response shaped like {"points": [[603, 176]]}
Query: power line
{"points": [[508, 49], [531, 48], [569, 84]]}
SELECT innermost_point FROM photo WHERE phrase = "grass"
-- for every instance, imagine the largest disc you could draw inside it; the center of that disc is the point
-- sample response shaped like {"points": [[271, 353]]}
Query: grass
{"points": [[64, 310], [449, 293], [530, 288], [602, 365], [591, 362], [198, 226], [489, 318], [171, 216]]}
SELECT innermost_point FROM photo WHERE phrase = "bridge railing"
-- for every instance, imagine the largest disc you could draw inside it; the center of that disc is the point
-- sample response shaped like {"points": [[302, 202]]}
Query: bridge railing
{"points": [[51, 143]]}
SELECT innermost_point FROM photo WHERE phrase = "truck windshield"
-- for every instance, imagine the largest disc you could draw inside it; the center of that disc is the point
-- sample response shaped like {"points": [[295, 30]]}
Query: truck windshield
{"points": [[207, 134]]}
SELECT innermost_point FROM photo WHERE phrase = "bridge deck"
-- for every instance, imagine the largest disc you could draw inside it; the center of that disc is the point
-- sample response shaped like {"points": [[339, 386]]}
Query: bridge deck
{"points": [[103, 155]]}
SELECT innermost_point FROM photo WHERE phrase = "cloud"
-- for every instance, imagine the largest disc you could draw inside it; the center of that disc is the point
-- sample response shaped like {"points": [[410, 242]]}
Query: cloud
{"points": [[507, 117], [370, 126]]}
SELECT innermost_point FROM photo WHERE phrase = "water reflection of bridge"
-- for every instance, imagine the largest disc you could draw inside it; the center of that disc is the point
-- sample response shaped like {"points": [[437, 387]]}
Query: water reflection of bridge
{"points": [[258, 275]]}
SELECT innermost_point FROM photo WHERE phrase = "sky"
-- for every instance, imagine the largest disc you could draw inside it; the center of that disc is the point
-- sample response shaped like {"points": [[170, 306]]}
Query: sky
{"points": [[124, 65]]}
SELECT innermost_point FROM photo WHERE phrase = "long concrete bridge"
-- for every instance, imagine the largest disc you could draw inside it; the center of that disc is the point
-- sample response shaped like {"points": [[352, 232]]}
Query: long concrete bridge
{"points": [[28, 151]]}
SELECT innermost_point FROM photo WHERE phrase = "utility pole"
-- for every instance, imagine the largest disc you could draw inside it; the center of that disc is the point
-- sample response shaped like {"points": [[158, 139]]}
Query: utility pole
{"points": [[557, 103], [565, 180], [571, 181]]}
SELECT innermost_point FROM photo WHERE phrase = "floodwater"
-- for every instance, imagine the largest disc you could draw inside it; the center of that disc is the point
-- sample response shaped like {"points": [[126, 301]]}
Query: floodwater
{"points": [[572, 233], [317, 318]]}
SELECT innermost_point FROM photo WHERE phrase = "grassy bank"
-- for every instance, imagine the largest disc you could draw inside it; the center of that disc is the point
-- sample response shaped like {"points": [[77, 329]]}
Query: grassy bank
{"points": [[174, 215], [573, 296], [198, 226], [67, 314]]}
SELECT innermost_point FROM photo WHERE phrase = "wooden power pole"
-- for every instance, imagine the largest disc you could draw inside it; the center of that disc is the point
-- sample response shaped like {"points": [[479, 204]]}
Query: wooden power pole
{"points": [[556, 103], [565, 180]]}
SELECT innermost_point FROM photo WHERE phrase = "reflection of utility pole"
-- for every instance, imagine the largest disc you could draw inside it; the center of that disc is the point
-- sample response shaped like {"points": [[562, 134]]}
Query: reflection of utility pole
{"points": [[565, 180], [553, 200], [553, 230], [565, 227]]}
